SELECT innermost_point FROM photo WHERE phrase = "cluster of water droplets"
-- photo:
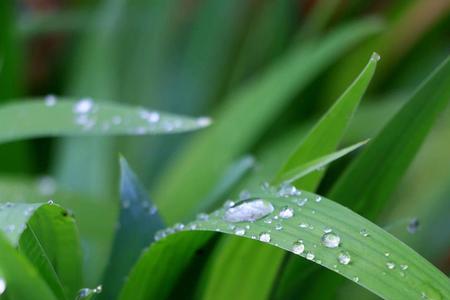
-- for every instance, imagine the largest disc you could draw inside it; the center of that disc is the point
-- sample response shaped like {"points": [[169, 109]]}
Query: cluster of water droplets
{"points": [[87, 292]]}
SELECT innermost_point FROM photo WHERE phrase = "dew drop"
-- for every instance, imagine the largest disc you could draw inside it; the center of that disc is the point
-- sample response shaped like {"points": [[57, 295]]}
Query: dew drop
{"points": [[278, 227], [318, 199], [327, 230], [331, 240], [286, 212], [364, 232], [375, 57], [264, 237], [390, 265], [413, 226], [310, 256], [303, 225], [288, 190], [83, 106], [301, 201], [202, 217], [228, 204], [344, 258], [248, 211], [50, 100], [298, 247], [239, 231], [387, 254], [50, 202], [404, 267], [356, 279]]}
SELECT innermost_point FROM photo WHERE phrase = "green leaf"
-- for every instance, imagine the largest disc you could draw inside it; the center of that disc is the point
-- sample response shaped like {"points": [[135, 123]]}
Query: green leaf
{"points": [[138, 223], [46, 234], [85, 117], [400, 274], [247, 114], [21, 279], [96, 237], [316, 164], [390, 153], [322, 139]]}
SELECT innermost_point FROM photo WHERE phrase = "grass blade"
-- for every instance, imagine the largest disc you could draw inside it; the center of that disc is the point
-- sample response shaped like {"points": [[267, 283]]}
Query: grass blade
{"points": [[265, 97], [138, 222], [82, 118], [403, 274]]}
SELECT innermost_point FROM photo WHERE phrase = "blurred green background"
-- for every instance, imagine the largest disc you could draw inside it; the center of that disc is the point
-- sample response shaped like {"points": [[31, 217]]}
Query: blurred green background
{"points": [[187, 57]]}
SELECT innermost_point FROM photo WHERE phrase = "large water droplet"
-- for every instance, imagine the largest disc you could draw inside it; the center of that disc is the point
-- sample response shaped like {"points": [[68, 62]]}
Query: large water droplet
{"points": [[344, 258], [248, 211], [298, 247], [264, 237], [331, 240], [286, 212]]}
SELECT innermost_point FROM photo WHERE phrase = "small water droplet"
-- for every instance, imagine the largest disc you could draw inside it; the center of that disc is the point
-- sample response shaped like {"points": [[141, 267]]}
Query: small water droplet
{"points": [[202, 217], [288, 190], [264, 237], [303, 225], [310, 256], [404, 267], [387, 254], [278, 227], [50, 100], [204, 121], [331, 240], [318, 199], [301, 201], [344, 258], [228, 204], [375, 57], [413, 225], [356, 279], [248, 211], [83, 106], [239, 231], [327, 230], [390, 265], [364, 232], [50, 202], [286, 212], [298, 247]]}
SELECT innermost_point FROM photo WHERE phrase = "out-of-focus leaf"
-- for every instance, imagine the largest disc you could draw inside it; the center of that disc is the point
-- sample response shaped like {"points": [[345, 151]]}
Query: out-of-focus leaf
{"points": [[38, 118], [46, 234], [138, 223], [246, 114]]}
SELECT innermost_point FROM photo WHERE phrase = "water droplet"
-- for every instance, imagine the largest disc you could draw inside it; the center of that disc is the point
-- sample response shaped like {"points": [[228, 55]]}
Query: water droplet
{"points": [[331, 240], [387, 254], [303, 225], [413, 226], [202, 217], [204, 121], [98, 289], [404, 267], [278, 227], [228, 204], [239, 231], [265, 186], [264, 237], [310, 255], [268, 221], [50, 100], [83, 106], [288, 190], [248, 211], [286, 212], [318, 199], [390, 265], [301, 201], [86, 292], [50, 202], [178, 226], [364, 232], [327, 230], [344, 258], [2, 285], [356, 279], [298, 247], [375, 57]]}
